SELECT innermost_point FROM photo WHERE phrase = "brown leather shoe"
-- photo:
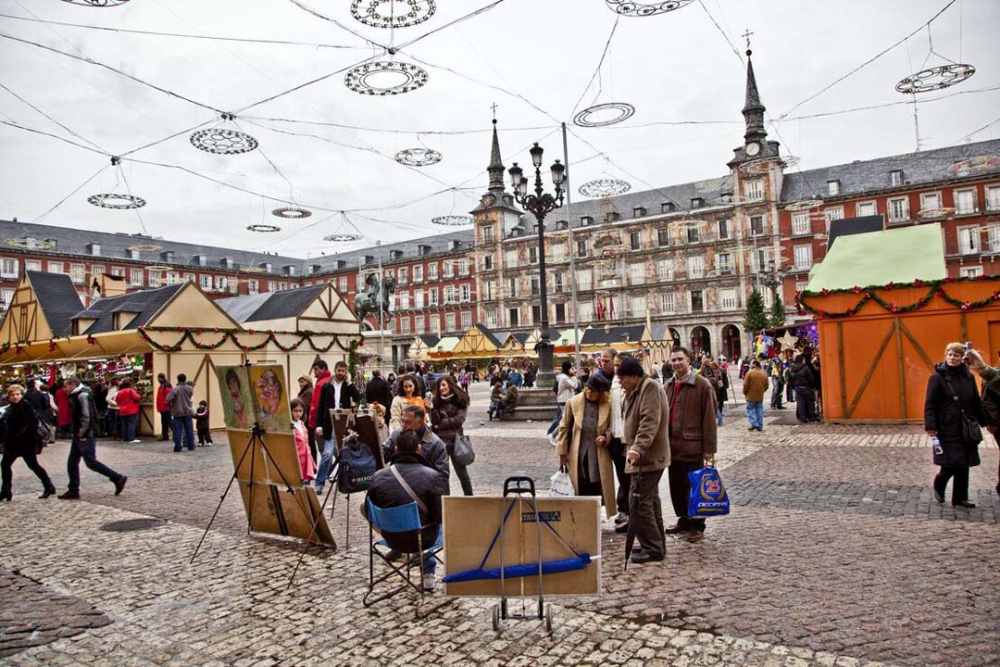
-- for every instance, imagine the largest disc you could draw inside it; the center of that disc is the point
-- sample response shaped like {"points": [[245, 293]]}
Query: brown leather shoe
{"points": [[694, 536], [675, 529]]}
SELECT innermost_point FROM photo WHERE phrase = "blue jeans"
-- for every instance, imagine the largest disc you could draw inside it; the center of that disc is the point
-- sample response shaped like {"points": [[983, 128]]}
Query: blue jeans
{"points": [[430, 562], [755, 414], [183, 425], [325, 461], [555, 420], [718, 414], [128, 427], [86, 450]]}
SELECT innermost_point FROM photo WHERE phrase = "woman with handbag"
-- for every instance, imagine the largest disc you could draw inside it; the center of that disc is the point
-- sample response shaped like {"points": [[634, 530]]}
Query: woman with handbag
{"points": [[582, 442], [21, 439], [408, 394], [953, 414], [448, 413]]}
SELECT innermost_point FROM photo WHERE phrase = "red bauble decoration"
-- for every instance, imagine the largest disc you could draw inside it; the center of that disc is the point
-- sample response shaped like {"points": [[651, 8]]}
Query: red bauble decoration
{"points": [[52, 346], [91, 340], [890, 286], [856, 289], [918, 283], [18, 349], [966, 305]]}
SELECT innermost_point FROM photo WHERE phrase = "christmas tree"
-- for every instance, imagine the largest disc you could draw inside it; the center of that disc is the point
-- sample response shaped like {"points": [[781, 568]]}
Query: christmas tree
{"points": [[756, 317], [778, 312]]}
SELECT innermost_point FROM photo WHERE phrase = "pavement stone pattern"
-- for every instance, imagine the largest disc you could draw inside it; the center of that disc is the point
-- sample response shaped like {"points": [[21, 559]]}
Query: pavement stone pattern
{"points": [[803, 572]]}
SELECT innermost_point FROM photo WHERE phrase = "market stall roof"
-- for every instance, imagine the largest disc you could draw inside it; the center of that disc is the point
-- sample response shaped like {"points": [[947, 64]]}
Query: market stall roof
{"points": [[478, 341], [446, 344], [58, 299], [568, 337], [145, 304], [274, 305], [607, 336], [878, 258], [430, 340]]}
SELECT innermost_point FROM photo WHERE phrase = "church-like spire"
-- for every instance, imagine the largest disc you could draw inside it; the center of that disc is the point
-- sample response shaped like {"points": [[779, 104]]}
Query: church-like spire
{"points": [[753, 110], [496, 168]]}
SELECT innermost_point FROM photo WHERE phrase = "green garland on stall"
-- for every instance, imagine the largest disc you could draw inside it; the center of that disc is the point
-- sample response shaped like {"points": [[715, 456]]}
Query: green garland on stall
{"points": [[188, 334], [934, 288], [352, 357]]}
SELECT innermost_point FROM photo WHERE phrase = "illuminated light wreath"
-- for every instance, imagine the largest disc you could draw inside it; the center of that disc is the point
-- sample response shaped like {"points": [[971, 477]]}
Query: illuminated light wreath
{"points": [[342, 238], [264, 228], [625, 111], [630, 8], [453, 220], [975, 165], [221, 141], [935, 213], [146, 247], [791, 160], [367, 11], [359, 78], [159, 268], [690, 223], [758, 166], [804, 205], [114, 201], [291, 213], [935, 78], [253, 269], [604, 187], [418, 157], [97, 3], [30, 244]]}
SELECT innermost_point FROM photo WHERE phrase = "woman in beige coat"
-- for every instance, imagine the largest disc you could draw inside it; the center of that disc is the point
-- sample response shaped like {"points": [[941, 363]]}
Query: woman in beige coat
{"points": [[588, 417]]}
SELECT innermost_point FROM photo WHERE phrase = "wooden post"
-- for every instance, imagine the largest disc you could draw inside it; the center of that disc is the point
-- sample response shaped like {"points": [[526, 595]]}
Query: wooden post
{"points": [[901, 367], [840, 361]]}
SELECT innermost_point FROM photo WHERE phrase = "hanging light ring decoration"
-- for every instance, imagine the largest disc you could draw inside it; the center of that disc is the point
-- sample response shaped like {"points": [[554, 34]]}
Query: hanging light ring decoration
{"points": [[584, 118], [159, 268], [935, 213], [605, 187], [935, 78], [116, 201], [643, 9], [222, 141], [145, 247], [263, 228], [291, 213], [804, 205], [360, 79], [97, 3], [453, 220], [367, 12], [791, 160], [418, 157], [342, 237]]}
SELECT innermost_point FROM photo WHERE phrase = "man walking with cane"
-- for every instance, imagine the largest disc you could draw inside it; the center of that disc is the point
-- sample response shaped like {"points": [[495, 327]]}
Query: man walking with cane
{"points": [[648, 455]]}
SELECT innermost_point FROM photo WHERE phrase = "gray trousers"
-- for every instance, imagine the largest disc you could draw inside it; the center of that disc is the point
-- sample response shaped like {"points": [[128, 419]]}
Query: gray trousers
{"points": [[649, 530]]}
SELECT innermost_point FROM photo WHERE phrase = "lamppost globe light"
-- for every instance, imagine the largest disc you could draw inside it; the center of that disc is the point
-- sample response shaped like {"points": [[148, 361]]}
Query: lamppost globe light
{"points": [[536, 155], [558, 174], [515, 176], [522, 187]]}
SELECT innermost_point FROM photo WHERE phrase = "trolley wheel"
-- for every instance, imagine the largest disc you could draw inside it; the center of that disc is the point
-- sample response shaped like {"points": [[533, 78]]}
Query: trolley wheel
{"points": [[548, 618], [496, 618]]}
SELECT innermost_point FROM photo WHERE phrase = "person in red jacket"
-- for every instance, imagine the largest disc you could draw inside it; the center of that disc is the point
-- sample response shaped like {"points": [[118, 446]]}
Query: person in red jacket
{"points": [[163, 406], [63, 416], [321, 370], [128, 411]]}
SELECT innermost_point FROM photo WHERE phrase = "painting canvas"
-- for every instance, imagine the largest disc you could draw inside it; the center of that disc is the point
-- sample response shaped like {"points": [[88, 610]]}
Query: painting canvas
{"points": [[237, 401], [270, 398]]}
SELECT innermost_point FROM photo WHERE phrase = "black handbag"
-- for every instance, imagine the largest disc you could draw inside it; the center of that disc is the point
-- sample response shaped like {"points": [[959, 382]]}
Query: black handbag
{"points": [[972, 433], [462, 452]]}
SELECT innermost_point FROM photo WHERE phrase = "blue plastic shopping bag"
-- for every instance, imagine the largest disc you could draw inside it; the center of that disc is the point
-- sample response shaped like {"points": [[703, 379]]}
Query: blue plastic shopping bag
{"points": [[708, 495]]}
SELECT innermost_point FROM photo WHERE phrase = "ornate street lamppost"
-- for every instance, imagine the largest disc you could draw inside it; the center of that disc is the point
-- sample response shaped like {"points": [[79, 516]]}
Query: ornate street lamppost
{"points": [[540, 204]]}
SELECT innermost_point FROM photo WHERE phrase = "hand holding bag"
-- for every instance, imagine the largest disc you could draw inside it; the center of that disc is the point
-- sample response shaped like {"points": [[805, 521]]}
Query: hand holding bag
{"points": [[560, 485], [462, 452], [708, 495], [972, 434]]}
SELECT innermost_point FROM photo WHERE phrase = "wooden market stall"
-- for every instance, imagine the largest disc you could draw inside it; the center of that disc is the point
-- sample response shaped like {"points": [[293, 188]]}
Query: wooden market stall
{"points": [[421, 347], [885, 309]]}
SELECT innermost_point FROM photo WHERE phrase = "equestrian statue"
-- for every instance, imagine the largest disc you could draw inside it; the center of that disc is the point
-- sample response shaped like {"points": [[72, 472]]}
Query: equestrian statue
{"points": [[376, 298]]}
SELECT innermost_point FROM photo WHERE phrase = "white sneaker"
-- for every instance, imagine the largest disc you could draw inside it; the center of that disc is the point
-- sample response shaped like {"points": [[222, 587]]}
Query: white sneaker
{"points": [[429, 583], [552, 440], [135, 442]]}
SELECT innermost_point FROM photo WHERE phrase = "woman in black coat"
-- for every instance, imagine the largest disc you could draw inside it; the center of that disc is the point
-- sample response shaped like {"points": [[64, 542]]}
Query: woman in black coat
{"points": [[952, 395], [448, 412], [20, 439]]}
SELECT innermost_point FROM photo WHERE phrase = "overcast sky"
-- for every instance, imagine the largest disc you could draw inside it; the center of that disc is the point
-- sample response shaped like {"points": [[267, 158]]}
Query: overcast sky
{"points": [[533, 58]]}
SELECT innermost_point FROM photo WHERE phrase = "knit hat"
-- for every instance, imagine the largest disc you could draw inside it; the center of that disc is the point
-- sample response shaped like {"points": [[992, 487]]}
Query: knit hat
{"points": [[598, 383], [630, 367]]}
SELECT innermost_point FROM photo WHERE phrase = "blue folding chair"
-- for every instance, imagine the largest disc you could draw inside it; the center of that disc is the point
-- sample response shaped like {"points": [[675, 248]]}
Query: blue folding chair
{"points": [[394, 523]]}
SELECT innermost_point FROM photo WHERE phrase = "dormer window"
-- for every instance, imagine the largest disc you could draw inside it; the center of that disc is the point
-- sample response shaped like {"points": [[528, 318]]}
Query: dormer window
{"points": [[423, 250], [341, 264], [896, 177], [227, 262], [456, 244], [668, 207], [94, 249], [639, 212], [562, 225], [833, 188], [167, 256], [368, 259], [266, 266], [614, 216], [289, 270], [133, 254], [586, 220], [697, 202], [200, 260], [395, 254], [315, 268]]}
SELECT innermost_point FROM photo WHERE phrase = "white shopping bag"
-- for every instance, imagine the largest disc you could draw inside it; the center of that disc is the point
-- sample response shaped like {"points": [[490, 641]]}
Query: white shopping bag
{"points": [[560, 484]]}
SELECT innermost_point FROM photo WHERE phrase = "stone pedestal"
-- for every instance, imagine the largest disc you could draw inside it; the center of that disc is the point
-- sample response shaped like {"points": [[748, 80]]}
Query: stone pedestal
{"points": [[535, 404]]}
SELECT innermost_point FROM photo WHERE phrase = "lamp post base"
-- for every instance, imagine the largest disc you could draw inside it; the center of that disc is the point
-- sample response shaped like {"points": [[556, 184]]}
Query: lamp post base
{"points": [[546, 378], [535, 405]]}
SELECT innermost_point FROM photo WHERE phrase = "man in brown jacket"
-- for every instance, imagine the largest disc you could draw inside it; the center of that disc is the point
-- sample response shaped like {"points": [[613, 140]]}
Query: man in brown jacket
{"points": [[648, 455], [754, 387], [693, 437]]}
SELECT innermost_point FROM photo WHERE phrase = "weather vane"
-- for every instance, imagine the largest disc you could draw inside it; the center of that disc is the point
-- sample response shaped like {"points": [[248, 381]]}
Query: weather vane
{"points": [[747, 35]]}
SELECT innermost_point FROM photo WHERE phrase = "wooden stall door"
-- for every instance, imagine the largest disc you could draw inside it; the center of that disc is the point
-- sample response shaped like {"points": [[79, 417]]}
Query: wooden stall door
{"points": [[994, 349]]}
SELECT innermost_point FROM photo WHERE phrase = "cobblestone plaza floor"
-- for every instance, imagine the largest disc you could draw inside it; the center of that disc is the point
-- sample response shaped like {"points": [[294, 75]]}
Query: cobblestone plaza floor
{"points": [[835, 554]]}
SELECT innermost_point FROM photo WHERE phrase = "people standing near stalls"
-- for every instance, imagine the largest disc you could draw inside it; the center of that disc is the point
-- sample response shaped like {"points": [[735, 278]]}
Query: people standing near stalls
{"points": [[202, 424], [320, 371], [618, 449], [584, 436], [306, 462], [693, 438], [409, 394], [803, 377], [100, 393], [952, 409], [163, 406], [338, 393], [777, 383], [648, 455], [112, 429], [84, 445], [128, 411], [305, 396], [448, 412], [63, 417], [565, 388], [181, 400], [41, 403], [991, 396], [711, 371], [377, 390], [754, 388], [21, 440]]}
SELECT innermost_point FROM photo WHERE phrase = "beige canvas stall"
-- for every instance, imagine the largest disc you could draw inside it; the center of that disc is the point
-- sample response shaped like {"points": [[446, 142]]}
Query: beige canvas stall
{"points": [[470, 524]]}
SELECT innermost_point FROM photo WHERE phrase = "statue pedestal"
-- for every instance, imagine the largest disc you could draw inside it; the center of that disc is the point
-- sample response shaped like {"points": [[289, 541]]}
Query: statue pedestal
{"points": [[535, 405]]}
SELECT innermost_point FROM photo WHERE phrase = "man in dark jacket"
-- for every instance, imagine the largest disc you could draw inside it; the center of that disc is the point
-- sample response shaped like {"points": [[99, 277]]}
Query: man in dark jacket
{"points": [[802, 375], [377, 391], [84, 445], [338, 393], [693, 438], [163, 406], [426, 486], [39, 401], [181, 402]]}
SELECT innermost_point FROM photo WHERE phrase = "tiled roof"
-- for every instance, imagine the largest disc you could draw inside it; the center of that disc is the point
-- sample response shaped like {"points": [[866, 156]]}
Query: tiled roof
{"points": [[145, 302], [598, 336], [873, 175], [57, 298], [275, 305], [483, 329], [397, 252], [430, 340]]}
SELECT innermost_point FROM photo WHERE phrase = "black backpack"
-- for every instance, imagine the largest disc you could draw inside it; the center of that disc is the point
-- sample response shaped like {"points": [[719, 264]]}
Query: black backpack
{"points": [[357, 466]]}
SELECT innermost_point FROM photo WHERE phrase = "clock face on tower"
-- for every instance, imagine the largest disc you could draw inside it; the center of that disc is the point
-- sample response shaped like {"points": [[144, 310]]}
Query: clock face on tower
{"points": [[753, 149]]}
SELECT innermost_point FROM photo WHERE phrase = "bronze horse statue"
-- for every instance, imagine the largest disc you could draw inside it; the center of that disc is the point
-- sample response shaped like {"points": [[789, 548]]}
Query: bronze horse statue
{"points": [[375, 298]]}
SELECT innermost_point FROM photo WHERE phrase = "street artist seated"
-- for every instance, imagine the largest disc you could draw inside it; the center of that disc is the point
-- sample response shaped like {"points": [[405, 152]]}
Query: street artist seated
{"points": [[426, 486], [433, 448]]}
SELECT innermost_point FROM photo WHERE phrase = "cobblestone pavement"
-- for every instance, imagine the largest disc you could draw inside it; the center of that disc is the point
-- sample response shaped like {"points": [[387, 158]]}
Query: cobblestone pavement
{"points": [[805, 571]]}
